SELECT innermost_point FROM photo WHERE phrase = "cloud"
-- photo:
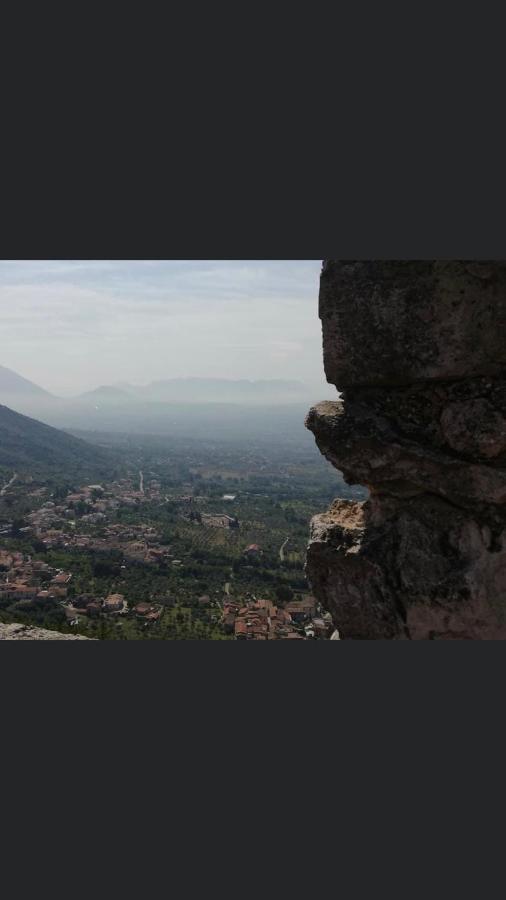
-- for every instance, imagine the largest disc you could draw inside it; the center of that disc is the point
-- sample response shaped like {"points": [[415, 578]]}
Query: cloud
{"points": [[72, 324]]}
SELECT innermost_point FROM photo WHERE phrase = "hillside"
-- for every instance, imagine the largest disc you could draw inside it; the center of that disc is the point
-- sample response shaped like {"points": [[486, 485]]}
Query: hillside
{"points": [[27, 445]]}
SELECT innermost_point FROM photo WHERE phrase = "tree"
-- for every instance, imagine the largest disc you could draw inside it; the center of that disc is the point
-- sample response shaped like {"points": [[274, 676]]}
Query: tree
{"points": [[283, 593], [17, 525]]}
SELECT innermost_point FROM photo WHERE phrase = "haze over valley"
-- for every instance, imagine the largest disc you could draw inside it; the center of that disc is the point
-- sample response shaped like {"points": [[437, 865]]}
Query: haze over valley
{"points": [[185, 407], [156, 477]]}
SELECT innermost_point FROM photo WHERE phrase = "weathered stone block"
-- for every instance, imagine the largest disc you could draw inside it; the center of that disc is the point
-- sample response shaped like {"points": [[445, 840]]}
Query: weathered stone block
{"points": [[398, 322]]}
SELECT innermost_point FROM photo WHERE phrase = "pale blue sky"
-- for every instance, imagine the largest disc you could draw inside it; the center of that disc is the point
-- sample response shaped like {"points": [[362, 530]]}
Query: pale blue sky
{"points": [[73, 325]]}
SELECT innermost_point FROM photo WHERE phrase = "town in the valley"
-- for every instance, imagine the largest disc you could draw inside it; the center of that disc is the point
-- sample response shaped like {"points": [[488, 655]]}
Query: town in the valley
{"points": [[218, 556]]}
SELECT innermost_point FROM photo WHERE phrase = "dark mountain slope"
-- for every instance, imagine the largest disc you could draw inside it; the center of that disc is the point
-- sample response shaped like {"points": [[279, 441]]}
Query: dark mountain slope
{"points": [[27, 445]]}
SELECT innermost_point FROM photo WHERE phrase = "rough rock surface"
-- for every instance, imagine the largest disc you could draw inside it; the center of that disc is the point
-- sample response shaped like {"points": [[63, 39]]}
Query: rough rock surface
{"points": [[16, 632], [418, 350]]}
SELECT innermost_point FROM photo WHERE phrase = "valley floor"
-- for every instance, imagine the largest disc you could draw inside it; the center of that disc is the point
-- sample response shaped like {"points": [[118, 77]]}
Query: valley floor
{"points": [[192, 540]]}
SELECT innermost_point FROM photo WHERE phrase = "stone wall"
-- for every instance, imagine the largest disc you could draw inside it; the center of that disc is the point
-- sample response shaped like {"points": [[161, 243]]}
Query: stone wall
{"points": [[418, 350]]}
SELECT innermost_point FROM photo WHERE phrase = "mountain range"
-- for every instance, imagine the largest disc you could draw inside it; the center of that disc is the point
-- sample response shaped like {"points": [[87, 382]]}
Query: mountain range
{"points": [[202, 390], [169, 390], [193, 407]]}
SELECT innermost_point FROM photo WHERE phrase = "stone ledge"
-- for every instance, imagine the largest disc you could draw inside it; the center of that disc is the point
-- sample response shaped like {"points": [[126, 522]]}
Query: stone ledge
{"points": [[15, 632]]}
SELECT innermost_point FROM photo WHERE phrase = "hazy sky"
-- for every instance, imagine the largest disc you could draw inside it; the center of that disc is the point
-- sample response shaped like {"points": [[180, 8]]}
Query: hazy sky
{"points": [[71, 326]]}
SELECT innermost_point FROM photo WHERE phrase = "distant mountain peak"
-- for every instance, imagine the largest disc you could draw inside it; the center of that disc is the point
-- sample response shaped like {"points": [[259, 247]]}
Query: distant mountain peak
{"points": [[111, 390], [107, 394], [12, 384]]}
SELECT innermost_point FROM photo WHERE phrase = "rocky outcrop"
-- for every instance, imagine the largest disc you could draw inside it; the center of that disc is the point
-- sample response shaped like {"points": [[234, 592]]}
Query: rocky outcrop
{"points": [[418, 350], [15, 632]]}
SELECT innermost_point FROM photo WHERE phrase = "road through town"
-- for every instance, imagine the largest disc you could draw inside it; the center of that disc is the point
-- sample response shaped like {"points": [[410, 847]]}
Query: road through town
{"points": [[8, 485]]}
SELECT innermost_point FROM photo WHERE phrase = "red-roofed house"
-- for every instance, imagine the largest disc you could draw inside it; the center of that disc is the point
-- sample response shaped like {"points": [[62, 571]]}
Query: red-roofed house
{"points": [[253, 550]]}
